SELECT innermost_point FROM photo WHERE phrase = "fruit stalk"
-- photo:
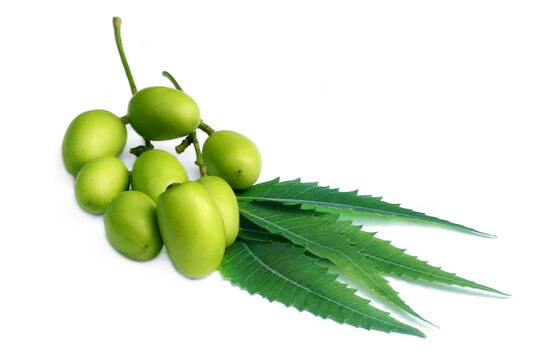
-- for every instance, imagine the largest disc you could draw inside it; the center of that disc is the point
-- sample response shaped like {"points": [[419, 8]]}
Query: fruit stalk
{"points": [[191, 138], [138, 150], [183, 145], [169, 76], [199, 161], [206, 128], [117, 23], [203, 126]]}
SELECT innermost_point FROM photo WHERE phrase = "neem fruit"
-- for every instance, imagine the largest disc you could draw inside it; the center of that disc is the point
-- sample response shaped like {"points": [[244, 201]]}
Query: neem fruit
{"points": [[90, 135], [233, 157], [225, 200], [191, 228], [130, 222], [162, 113], [154, 170], [99, 181]]}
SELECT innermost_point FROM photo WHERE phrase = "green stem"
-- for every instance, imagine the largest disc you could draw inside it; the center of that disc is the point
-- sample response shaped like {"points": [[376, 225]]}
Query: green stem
{"points": [[125, 119], [206, 128], [203, 125], [167, 75], [191, 138], [183, 145], [138, 150], [117, 23], [199, 162]]}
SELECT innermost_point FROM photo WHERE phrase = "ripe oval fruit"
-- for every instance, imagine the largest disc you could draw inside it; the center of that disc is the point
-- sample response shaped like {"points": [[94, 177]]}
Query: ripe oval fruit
{"points": [[191, 229], [99, 181], [233, 157], [154, 170], [162, 113], [130, 222], [90, 135], [225, 200]]}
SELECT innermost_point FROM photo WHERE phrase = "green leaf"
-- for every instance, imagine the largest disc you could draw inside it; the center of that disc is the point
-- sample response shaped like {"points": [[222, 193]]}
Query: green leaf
{"points": [[394, 261], [252, 232], [387, 258], [321, 198], [281, 272], [320, 235]]}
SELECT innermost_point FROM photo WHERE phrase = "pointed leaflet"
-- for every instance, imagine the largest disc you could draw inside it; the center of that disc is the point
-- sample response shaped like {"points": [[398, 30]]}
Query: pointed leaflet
{"points": [[391, 260], [387, 258], [280, 271], [324, 198], [319, 235], [252, 232]]}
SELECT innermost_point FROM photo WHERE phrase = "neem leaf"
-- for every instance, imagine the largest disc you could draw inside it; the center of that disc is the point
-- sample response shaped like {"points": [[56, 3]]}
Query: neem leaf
{"points": [[387, 258], [394, 261], [320, 198], [252, 232], [318, 233], [281, 272]]}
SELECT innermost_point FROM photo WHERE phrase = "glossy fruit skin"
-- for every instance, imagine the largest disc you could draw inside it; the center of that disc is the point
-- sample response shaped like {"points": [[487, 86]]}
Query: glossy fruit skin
{"points": [[99, 181], [154, 170], [225, 200], [131, 226], [233, 157], [90, 135], [162, 113], [191, 228]]}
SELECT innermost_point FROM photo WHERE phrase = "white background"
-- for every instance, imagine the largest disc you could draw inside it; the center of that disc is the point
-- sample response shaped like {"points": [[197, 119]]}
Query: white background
{"points": [[444, 106]]}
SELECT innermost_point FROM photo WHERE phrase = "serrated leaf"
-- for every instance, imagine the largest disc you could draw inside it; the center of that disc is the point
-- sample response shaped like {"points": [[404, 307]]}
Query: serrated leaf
{"points": [[311, 195], [252, 232], [387, 258], [320, 235], [281, 272], [394, 261]]}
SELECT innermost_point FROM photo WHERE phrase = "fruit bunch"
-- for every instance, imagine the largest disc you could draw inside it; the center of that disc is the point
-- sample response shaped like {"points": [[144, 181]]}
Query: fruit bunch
{"points": [[195, 220], [283, 237]]}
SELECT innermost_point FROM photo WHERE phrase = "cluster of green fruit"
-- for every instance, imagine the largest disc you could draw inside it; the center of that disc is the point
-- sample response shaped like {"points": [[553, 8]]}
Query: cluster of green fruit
{"points": [[194, 220]]}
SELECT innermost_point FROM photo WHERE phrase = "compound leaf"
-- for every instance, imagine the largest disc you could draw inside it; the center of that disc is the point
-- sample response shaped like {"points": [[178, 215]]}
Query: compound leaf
{"points": [[320, 234], [281, 272], [321, 198], [394, 261]]}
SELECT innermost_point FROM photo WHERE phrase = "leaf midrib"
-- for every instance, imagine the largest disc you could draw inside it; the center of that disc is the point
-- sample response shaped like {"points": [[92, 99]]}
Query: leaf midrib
{"points": [[366, 210], [394, 300], [355, 208], [455, 281], [316, 293]]}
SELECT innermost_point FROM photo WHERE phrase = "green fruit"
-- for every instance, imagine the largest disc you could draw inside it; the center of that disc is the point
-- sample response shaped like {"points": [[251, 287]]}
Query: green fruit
{"points": [[154, 170], [90, 135], [162, 113], [233, 157], [99, 181], [192, 229], [225, 200], [130, 222]]}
